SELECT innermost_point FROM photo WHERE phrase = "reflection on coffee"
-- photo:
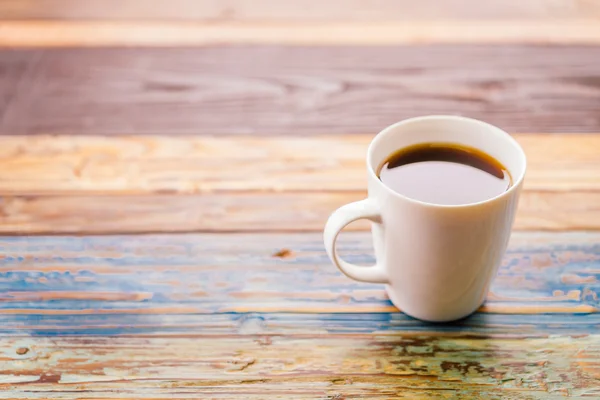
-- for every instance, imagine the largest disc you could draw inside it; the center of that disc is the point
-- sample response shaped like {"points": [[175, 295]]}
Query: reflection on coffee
{"points": [[444, 173]]}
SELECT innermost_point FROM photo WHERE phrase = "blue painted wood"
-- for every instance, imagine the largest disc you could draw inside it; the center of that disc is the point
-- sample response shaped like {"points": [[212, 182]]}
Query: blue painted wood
{"points": [[208, 283], [294, 324]]}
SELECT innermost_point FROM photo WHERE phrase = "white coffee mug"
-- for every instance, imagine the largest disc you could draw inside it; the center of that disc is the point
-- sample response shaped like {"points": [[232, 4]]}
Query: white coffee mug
{"points": [[437, 261]]}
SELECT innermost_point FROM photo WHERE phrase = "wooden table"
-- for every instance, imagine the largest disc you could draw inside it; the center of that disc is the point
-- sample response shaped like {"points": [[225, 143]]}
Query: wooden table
{"points": [[167, 168]]}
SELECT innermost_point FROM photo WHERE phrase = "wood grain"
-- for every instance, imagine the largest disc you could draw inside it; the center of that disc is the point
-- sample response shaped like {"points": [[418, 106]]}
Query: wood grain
{"points": [[138, 164], [92, 184], [298, 10], [154, 284], [260, 126], [13, 66], [140, 323], [159, 34], [332, 366], [146, 294], [246, 212], [303, 90]]}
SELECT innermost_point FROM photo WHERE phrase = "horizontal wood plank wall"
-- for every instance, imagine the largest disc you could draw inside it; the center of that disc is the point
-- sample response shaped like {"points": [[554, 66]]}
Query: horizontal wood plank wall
{"points": [[299, 10], [92, 184], [300, 90]]}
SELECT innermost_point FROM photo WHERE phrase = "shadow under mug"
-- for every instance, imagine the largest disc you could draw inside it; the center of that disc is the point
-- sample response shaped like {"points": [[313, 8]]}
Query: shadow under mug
{"points": [[437, 261]]}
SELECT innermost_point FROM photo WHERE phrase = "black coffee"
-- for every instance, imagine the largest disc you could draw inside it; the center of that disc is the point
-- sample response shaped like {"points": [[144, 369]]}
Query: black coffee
{"points": [[443, 173]]}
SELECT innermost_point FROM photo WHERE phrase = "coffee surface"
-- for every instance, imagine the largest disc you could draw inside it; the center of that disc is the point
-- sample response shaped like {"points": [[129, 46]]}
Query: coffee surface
{"points": [[444, 173]]}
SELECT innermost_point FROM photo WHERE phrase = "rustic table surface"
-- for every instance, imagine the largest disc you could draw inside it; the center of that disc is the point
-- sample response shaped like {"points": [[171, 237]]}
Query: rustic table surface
{"points": [[166, 169]]}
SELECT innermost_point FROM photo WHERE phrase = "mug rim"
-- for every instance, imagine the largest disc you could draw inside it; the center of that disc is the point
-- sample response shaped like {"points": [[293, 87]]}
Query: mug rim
{"points": [[373, 174]]}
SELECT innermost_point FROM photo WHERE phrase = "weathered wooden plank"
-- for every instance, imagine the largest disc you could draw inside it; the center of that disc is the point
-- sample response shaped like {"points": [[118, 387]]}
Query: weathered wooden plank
{"points": [[303, 90], [290, 324], [162, 299], [13, 65], [300, 392], [297, 10], [246, 212], [160, 34], [130, 183], [65, 164], [333, 366], [170, 275]]}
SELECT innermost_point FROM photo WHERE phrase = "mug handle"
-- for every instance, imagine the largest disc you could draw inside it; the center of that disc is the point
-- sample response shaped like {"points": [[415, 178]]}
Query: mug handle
{"points": [[341, 217]]}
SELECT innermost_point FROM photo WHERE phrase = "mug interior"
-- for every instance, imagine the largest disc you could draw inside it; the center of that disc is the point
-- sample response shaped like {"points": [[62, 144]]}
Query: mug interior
{"points": [[449, 129]]}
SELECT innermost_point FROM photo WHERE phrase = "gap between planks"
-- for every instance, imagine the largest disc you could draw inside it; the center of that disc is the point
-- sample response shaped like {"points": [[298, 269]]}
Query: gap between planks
{"points": [[159, 34]]}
